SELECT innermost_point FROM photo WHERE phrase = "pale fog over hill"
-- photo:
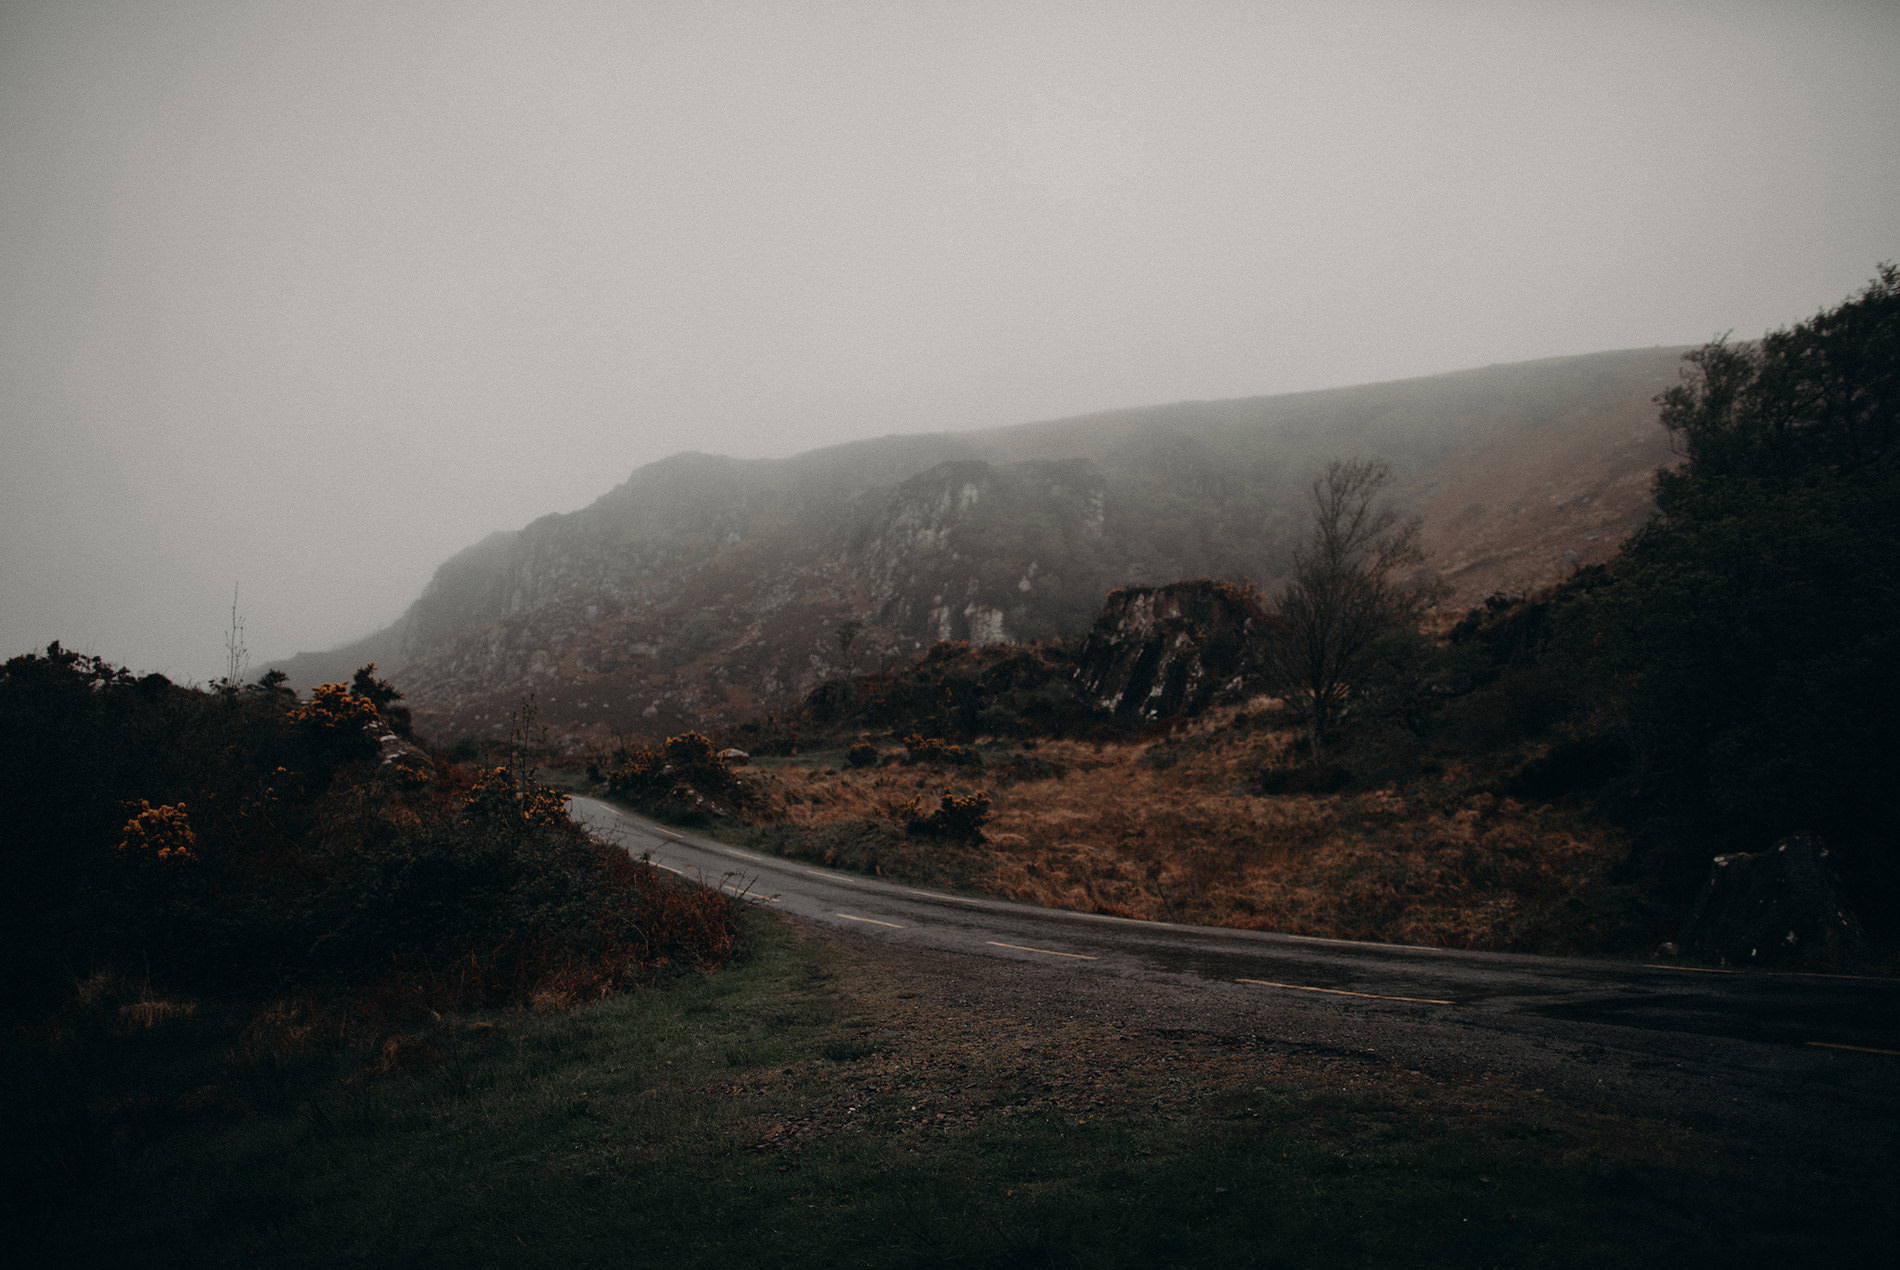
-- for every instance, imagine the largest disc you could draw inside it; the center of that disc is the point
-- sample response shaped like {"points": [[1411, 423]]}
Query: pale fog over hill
{"points": [[705, 589], [305, 299]]}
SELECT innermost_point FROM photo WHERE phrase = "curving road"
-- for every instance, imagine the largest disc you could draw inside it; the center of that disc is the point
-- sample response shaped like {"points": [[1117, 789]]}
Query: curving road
{"points": [[1501, 991]]}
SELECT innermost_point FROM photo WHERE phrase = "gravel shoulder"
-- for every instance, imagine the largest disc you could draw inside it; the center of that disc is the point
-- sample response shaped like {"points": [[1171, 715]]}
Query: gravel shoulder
{"points": [[965, 1030]]}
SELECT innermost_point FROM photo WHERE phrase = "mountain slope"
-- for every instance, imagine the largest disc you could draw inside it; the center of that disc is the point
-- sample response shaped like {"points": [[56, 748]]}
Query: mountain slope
{"points": [[705, 588]]}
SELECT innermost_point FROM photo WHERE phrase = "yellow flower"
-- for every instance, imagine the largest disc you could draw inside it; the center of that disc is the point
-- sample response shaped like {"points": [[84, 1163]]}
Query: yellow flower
{"points": [[160, 833]]}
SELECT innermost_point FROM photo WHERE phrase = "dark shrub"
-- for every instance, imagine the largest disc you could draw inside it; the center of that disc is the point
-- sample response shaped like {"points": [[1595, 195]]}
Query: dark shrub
{"points": [[685, 777], [934, 749], [957, 816]]}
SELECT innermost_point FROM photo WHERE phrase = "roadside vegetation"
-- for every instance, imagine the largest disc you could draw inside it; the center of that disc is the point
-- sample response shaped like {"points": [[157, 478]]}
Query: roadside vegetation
{"points": [[276, 880]]}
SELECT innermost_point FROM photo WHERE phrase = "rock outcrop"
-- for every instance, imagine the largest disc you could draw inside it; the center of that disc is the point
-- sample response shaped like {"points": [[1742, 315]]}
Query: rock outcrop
{"points": [[1772, 907], [1164, 652], [989, 554]]}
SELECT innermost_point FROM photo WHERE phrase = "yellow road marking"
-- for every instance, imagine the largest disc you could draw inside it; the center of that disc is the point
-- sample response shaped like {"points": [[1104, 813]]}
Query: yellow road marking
{"points": [[849, 918], [1858, 1049], [1341, 992], [1766, 974], [1047, 952]]}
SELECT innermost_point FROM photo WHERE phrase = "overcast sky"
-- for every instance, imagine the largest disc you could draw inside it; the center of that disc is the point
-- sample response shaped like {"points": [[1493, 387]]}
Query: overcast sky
{"points": [[305, 297]]}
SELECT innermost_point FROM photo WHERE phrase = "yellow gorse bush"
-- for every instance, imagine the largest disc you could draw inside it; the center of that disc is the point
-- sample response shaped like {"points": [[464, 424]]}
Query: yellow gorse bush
{"points": [[333, 707], [955, 816], [687, 764], [934, 749], [159, 833], [498, 795]]}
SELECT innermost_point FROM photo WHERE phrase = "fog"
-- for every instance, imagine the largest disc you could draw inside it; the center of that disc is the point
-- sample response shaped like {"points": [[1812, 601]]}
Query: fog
{"points": [[303, 298]]}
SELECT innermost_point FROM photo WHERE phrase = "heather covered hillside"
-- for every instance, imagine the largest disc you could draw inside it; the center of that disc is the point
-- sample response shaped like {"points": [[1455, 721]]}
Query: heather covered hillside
{"points": [[704, 590]]}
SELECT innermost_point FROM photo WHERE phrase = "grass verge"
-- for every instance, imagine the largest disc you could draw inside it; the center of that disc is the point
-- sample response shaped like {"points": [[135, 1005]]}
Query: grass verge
{"points": [[807, 1107]]}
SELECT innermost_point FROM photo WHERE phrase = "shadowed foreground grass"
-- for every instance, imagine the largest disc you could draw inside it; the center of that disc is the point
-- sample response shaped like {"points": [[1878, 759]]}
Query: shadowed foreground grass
{"points": [[806, 1109]]}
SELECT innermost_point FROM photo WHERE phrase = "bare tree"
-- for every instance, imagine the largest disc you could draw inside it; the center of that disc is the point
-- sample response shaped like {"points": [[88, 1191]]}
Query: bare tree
{"points": [[1348, 589], [237, 658]]}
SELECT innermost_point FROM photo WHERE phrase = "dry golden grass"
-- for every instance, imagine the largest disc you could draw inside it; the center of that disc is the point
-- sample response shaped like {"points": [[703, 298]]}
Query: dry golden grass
{"points": [[1172, 829]]}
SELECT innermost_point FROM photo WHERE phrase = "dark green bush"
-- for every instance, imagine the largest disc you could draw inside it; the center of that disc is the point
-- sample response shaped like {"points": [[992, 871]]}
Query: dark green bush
{"points": [[683, 777]]}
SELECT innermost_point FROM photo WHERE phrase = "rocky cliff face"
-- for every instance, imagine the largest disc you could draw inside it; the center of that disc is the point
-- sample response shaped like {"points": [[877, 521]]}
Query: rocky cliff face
{"points": [[698, 593], [988, 554], [705, 589]]}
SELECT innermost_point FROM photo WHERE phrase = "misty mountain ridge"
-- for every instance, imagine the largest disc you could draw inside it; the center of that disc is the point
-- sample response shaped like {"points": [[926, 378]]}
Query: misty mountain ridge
{"points": [[704, 588]]}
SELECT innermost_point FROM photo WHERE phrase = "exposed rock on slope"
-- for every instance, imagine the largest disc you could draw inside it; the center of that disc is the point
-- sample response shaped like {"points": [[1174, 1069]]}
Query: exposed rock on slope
{"points": [[1162, 652], [705, 588], [989, 554], [1766, 908]]}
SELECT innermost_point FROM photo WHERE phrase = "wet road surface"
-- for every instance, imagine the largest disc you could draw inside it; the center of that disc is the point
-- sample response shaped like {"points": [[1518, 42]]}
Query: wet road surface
{"points": [[1814, 1012]]}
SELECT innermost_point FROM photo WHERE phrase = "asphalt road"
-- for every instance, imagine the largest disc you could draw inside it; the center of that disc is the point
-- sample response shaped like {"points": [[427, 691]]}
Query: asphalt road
{"points": [[1815, 1012]]}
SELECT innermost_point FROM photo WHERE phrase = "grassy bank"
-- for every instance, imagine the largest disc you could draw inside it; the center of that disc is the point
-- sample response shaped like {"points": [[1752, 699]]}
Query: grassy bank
{"points": [[1178, 828], [807, 1107]]}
